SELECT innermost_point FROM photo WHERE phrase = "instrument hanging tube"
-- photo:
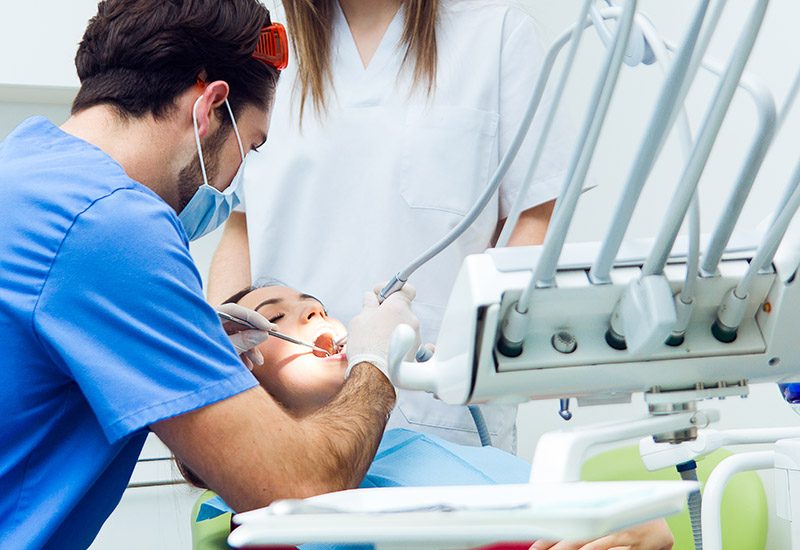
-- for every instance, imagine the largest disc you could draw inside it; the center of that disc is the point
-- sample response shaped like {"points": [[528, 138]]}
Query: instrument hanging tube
{"points": [[705, 140], [516, 210], [767, 127], [516, 321], [771, 241], [685, 300], [789, 101], [669, 100], [579, 165], [499, 173]]}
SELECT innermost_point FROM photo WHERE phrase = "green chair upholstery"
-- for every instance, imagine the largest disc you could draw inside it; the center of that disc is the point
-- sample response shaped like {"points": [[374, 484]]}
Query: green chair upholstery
{"points": [[211, 534], [744, 504]]}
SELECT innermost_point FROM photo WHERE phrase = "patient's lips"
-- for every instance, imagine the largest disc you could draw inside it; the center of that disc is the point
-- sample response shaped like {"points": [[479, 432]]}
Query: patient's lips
{"points": [[326, 342]]}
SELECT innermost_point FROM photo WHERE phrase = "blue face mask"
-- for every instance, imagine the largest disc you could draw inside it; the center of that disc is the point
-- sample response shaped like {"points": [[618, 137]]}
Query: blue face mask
{"points": [[210, 207]]}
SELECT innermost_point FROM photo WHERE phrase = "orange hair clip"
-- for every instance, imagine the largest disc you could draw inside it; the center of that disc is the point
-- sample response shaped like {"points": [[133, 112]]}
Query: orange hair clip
{"points": [[273, 46]]}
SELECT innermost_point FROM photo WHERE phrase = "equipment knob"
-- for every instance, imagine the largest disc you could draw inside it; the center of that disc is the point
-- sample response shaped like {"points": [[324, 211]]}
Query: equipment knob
{"points": [[564, 342]]}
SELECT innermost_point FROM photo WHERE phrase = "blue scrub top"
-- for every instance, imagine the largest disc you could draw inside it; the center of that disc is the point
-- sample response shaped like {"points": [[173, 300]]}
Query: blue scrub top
{"points": [[105, 331]]}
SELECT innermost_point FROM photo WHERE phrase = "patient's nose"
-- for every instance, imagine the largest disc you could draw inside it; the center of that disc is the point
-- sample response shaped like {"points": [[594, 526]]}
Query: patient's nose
{"points": [[312, 312]]}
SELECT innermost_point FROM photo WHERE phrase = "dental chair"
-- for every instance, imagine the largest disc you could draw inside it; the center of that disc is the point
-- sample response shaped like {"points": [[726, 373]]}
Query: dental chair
{"points": [[744, 506]]}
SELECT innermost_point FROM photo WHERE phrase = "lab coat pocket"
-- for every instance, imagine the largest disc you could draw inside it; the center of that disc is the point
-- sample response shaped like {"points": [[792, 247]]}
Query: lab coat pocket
{"points": [[446, 158]]}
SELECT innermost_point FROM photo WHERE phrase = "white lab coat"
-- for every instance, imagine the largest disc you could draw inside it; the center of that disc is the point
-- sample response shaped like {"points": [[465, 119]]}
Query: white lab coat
{"points": [[352, 196]]}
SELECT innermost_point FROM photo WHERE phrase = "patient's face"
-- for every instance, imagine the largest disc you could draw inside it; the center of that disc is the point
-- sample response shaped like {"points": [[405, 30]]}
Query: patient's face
{"points": [[296, 377]]}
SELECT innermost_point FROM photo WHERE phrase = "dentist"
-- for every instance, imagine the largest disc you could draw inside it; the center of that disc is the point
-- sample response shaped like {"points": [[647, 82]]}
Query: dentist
{"points": [[106, 332]]}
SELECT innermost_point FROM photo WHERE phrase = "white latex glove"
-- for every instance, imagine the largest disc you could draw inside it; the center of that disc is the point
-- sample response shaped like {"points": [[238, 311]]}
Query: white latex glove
{"points": [[243, 339], [369, 332]]}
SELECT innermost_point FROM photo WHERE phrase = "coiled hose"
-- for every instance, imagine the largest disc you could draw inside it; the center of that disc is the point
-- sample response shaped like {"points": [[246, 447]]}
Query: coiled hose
{"points": [[688, 472]]}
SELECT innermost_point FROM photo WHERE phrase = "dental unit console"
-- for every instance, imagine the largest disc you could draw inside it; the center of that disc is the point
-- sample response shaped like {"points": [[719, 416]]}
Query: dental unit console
{"points": [[680, 318]]}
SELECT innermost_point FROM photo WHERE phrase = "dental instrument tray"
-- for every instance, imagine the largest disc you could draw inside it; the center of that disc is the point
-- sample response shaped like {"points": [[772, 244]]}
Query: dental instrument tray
{"points": [[460, 516]]}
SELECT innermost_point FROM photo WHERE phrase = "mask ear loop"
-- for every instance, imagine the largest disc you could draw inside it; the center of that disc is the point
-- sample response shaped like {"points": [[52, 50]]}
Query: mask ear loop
{"points": [[235, 128], [197, 140]]}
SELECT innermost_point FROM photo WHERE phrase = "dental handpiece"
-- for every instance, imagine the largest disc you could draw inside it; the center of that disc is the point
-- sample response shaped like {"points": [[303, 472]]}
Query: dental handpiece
{"points": [[241, 322]]}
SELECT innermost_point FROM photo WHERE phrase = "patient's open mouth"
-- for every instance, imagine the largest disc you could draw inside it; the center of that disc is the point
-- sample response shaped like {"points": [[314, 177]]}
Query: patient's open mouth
{"points": [[326, 342]]}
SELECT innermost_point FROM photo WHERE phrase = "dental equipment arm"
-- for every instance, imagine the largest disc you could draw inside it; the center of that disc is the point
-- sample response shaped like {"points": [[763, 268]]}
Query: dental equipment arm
{"points": [[669, 100], [637, 50], [705, 140], [732, 310], [764, 135], [401, 277], [789, 101], [643, 320], [664, 455], [397, 281], [512, 336], [582, 155], [516, 210], [765, 110]]}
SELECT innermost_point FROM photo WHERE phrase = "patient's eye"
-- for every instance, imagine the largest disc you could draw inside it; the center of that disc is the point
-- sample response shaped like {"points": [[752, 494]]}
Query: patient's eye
{"points": [[275, 318]]}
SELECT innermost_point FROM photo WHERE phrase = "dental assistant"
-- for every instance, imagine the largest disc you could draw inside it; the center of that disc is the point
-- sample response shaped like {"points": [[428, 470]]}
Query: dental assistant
{"points": [[389, 122], [106, 332]]}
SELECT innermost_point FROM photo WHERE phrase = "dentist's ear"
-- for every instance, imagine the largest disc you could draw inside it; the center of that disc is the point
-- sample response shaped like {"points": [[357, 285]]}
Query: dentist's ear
{"points": [[211, 98]]}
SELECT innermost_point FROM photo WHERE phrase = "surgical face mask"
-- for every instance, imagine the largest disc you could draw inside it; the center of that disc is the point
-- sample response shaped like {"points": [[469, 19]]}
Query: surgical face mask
{"points": [[209, 207]]}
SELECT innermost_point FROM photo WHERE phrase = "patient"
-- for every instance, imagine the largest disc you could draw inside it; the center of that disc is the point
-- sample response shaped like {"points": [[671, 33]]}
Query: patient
{"points": [[303, 382]]}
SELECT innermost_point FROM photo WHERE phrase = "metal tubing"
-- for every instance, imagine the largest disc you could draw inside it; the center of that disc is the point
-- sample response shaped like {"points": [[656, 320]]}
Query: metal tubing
{"points": [[516, 210], [789, 101], [502, 168], [771, 241], [767, 127], [660, 123], [595, 116], [705, 140]]}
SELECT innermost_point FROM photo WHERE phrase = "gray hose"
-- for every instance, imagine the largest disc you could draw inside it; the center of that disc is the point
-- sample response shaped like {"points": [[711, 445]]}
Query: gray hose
{"points": [[480, 424], [688, 471]]}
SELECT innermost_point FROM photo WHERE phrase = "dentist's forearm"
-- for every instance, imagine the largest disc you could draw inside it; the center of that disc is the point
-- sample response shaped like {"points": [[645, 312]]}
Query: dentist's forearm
{"points": [[352, 426], [230, 266], [251, 452]]}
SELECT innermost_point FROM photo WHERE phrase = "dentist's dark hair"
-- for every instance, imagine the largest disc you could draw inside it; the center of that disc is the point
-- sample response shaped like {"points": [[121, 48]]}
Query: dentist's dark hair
{"points": [[139, 55]]}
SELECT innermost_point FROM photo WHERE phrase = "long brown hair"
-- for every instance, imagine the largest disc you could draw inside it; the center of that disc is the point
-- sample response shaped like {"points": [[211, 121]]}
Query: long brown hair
{"points": [[310, 28]]}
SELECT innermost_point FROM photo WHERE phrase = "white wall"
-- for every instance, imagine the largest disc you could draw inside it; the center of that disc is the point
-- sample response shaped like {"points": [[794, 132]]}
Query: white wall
{"points": [[38, 41]]}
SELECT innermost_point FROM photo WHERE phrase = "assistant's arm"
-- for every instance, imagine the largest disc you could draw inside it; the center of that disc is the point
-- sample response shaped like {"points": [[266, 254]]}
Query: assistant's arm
{"points": [[251, 452], [531, 226], [230, 266]]}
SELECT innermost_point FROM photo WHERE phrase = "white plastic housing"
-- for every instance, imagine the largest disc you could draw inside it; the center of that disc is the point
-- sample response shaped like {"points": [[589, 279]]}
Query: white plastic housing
{"points": [[467, 368]]}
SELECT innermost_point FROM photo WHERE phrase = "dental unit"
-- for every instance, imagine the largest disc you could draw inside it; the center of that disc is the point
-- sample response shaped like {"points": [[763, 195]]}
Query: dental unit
{"points": [[680, 319]]}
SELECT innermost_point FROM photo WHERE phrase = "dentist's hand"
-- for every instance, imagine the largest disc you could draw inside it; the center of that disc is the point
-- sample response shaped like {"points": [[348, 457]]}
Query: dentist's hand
{"points": [[243, 339], [369, 332]]}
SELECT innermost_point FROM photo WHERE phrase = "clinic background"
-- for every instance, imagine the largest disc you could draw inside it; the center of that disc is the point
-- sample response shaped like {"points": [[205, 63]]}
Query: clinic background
{"points": [[37, 76]]}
